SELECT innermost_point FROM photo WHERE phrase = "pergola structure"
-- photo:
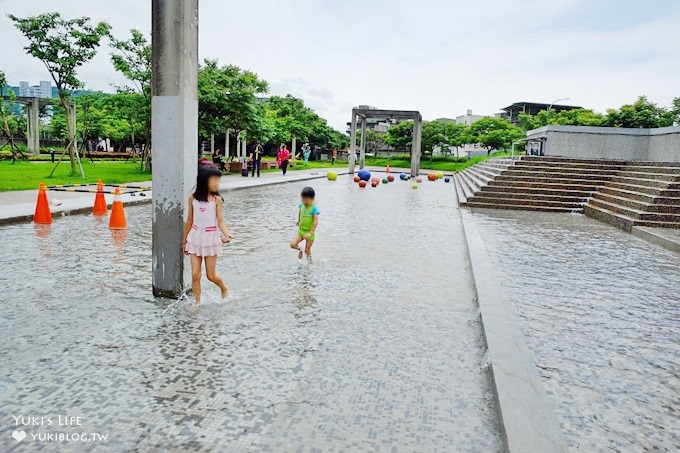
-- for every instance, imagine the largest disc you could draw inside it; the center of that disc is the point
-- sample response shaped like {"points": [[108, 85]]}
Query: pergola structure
{"points": [[364, 113], [33, 105]]}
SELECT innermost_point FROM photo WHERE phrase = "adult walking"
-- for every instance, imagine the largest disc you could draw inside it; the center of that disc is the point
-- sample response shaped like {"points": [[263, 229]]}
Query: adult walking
{"points": [[283, 158], [256, 159]]}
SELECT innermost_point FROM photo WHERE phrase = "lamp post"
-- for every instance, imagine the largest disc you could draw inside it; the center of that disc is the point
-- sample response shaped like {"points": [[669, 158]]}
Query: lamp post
{"points": [[555, 102]]}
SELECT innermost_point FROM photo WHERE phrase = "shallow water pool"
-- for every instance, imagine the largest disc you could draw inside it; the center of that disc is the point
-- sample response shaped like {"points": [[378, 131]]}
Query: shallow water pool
{"points": [[375, 346], [600, 310]]}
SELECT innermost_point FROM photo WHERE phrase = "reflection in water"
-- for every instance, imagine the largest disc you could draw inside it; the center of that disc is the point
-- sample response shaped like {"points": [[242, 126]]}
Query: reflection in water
{"points": [[599, 308], [354, 350]]}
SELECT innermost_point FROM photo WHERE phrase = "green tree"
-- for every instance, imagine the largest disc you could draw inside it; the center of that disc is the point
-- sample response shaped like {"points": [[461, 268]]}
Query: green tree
{"points": [[442, 134], [63, 45], [227, 100], [675, 111], [9, 123], [494, 133], [400, 135], [132, 58], [641, 114], [573, 117]]}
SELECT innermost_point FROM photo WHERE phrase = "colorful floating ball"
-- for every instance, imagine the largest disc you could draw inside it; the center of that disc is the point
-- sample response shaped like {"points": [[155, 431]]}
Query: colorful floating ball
{"points": [[356, 179], [362, 183], [402, 176], [447, 179], [440, 174], [432, 176], [374, 183], [419, 179], [364, 174], [332, 176], [385, 181], [414, 185], [390, 178], [375, 179]]}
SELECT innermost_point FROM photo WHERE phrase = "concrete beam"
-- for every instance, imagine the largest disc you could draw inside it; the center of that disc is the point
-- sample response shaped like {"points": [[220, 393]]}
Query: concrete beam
{"points": [[416, 144], [174, 124], [353, 143], [362, 146]]}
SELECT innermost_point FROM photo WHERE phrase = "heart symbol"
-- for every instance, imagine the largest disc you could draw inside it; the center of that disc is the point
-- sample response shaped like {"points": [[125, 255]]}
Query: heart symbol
{"points": [[202, 209], [19, 435]]}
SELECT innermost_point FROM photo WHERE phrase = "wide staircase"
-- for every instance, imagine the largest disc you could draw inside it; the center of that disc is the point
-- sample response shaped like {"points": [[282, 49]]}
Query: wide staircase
{"points": [[623, 194]]}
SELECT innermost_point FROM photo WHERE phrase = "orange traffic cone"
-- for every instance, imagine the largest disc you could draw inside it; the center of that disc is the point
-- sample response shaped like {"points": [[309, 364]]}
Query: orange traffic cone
{"points": [[42, 214], [117, 220], [99, 200], [387, 170]]}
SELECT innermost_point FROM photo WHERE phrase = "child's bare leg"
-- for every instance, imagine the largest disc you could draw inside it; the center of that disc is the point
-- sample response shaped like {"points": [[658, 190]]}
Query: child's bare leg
{"points": [[308, 249], [295, 245], [196, 277], [210, 264]]}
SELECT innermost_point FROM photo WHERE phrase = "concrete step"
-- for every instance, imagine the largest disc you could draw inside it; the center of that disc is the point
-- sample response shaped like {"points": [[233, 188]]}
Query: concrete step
{"points": [[480, 178], [460, 192], [548, 197], [472, 183], [669, 177], [516, 173], [655, 191], [599, 161], [564, 170], [646, 182], [653, 169], [578, 186], [622, 221], [538, 190], [521, 207], [649, 206], [520, 200], [633, 213]]}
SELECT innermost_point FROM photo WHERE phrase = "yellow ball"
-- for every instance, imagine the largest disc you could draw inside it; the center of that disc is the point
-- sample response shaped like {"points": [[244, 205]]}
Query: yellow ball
{"points": [[440, 175], [414, 185], [332, 176]]}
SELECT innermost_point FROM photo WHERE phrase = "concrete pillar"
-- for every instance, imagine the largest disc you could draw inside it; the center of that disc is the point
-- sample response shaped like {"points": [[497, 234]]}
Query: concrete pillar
{"points": [[293, 146], [352, 143], [212, 143], [174, 125], [226, 144], [362, 146], [244, 149], [33, 122], [416, 145]]}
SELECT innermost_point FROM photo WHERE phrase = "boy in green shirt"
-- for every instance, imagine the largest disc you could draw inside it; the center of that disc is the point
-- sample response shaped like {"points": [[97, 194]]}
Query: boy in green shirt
{"points": [[308, 220]]}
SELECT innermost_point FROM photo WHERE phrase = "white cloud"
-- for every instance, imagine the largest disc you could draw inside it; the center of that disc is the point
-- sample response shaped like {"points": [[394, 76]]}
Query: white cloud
{"points": [[438, 56]]}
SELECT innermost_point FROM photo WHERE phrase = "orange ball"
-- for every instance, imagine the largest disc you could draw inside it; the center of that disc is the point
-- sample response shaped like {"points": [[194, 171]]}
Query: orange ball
{"points": [[362, 183], [357, 179], [432, 176]]}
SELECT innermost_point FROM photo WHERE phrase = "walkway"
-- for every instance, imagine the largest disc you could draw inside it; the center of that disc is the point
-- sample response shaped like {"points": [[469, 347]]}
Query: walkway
{"points": [[18, 206]]}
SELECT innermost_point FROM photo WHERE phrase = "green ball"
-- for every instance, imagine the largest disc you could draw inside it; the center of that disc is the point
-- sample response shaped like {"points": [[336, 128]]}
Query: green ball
{"points": [[332, 176], [385, 181], [414, 185]]}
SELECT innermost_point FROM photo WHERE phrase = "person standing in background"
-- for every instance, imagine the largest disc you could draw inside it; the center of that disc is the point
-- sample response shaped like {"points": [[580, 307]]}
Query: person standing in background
{"points": [[306, 151], [334, 156], [283, 158], [256, 159]]}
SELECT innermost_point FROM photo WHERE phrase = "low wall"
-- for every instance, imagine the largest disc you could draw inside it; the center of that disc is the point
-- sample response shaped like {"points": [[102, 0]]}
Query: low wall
{"points": [[611, 143]]}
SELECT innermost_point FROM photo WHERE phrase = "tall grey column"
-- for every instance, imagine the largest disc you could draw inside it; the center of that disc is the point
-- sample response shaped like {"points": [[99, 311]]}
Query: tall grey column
{"points": [[293, 146], [416, 143], [174, 125], [362, 145], [352, 143], [226, 144], [212, 143], [33, 120]]}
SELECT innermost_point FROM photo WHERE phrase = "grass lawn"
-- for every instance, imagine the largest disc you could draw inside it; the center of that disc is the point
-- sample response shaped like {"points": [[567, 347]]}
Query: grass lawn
{"points": [[438, 163], [27, 175]]}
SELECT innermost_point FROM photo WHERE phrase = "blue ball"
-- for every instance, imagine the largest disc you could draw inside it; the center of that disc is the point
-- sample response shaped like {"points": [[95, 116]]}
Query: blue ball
{"points": [[446, 180], [364, 174], [402, 176]]}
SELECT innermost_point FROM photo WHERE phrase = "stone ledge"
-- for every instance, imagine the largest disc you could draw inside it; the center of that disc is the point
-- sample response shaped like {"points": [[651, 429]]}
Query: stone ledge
{"points": [[670, 240], [528, 421]]}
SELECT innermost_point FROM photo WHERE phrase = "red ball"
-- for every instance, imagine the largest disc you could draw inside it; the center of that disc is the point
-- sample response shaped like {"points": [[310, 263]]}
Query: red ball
{"points": [[375, 179], [390, 178], [432, 176], [362, 183], [357, 179], [419, 179], [374, 183]]}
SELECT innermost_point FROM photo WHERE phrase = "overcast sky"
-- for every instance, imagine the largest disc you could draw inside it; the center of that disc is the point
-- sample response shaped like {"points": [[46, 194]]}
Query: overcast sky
{"points": [[437, 56]]}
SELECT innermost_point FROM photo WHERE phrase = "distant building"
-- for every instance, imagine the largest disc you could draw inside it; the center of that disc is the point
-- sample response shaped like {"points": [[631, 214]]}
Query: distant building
{"points": [[513, 111], [469, 118], [44, 90], [373, 124]]}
